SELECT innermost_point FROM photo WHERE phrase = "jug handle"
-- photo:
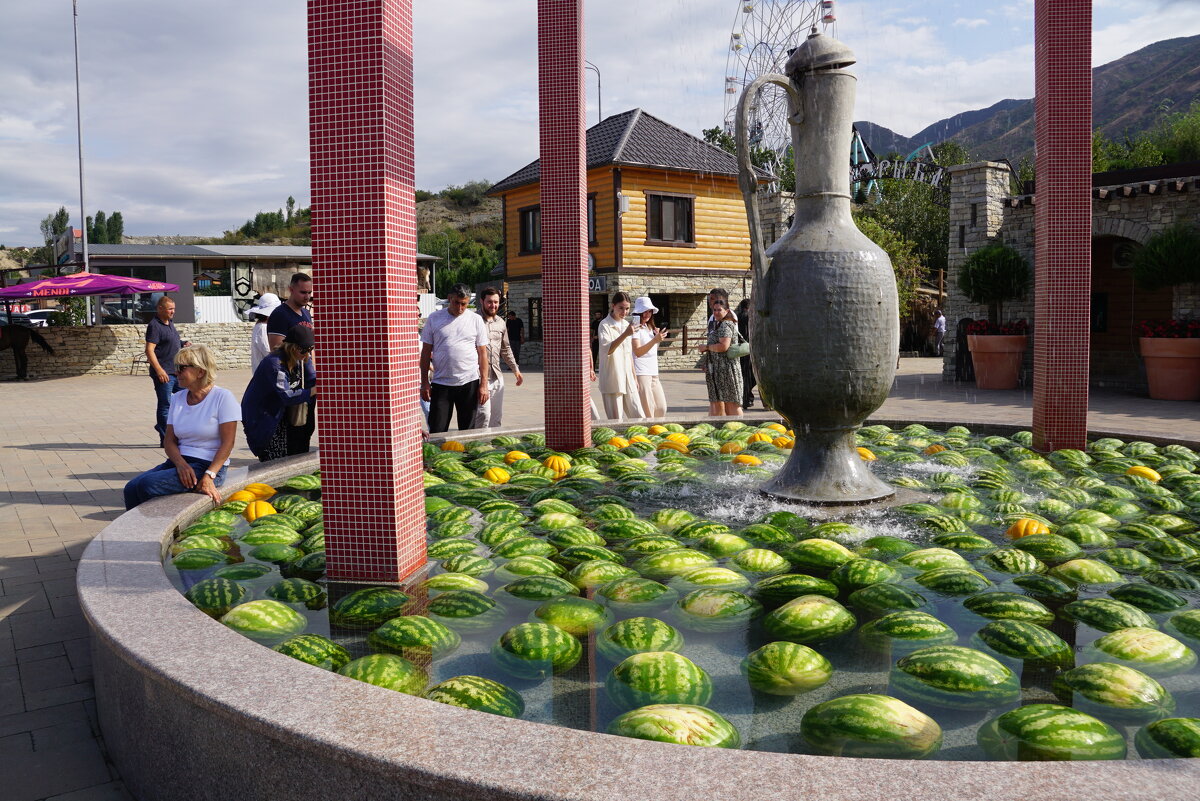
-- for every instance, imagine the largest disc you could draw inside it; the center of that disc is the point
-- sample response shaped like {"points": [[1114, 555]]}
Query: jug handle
{"points": [[748, 181]]}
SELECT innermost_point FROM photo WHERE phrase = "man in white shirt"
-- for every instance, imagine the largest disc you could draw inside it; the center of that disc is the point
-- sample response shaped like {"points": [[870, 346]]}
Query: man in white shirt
{"points": [[939, 329], [490, 414], [455, 340]]}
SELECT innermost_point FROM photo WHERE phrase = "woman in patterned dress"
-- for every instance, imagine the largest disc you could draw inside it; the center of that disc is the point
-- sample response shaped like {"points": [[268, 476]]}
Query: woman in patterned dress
{"points": [[722, 375]]}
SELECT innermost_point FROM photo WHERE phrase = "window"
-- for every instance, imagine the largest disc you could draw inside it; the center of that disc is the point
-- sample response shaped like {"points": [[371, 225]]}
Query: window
{"points": [[534, 334], [669, 219], [591, 219], [531, 229]]}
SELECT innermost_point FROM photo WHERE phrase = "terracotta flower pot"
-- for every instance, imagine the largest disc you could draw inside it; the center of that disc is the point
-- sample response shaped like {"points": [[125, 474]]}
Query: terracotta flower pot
{"points": [[997, 359], [1172, 367]]}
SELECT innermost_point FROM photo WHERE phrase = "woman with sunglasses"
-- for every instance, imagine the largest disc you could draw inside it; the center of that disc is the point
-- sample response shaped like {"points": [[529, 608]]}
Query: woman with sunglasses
{"points": [[722, 375], [285, 380], [200, 431]]}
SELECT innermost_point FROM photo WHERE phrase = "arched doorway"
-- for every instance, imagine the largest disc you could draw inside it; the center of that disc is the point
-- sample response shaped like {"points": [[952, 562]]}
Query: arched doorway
{"points": [[1118, 305]]}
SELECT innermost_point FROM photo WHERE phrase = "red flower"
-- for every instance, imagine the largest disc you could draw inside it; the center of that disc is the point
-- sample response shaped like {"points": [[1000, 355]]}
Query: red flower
{"points": [[1169, 329]]}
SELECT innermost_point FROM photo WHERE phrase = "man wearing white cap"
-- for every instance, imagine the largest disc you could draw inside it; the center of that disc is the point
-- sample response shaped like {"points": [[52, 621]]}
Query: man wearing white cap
{"points": [[259, 313], [646, 339]]}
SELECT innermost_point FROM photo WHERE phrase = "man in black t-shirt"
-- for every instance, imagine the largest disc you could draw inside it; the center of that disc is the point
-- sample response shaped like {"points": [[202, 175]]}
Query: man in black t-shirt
{"points": [[162, 343], [516, 334], [293, 312]]}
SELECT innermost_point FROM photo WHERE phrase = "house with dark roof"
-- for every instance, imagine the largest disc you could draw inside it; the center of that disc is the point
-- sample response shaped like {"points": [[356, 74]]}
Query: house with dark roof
{"points": [[665, 219]]}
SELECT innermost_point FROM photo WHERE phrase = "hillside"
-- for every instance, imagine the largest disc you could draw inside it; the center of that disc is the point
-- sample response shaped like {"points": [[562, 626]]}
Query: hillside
{"points": [[435, 214], [1128, 96]]}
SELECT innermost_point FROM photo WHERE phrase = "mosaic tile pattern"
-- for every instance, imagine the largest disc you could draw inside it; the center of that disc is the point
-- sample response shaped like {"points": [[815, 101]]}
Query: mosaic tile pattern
{"points": [[1063, 222], [564, 223], [364, 246]]}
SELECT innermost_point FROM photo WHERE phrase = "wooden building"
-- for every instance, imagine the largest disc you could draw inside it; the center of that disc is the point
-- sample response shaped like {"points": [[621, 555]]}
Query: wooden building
{"points": [[665, 219]]}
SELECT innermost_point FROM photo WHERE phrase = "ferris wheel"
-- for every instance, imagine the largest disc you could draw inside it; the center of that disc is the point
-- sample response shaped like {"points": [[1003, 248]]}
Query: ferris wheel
{"points": [[763, 35]]}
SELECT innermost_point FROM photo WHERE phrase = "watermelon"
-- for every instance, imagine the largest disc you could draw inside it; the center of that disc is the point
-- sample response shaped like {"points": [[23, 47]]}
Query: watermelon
{"points": [[859, 573], [809, 618], [1172, 738], [414, 636], [453, 581], [1028, 642], [536, 650], [278, 520], [721, 578], [930, 558], [637, 635], [1126, 560], [466, 610], [721, 545], [479, 694], [242, 571], [598, 572], [201, 541], [529, 566], [576, 554], [906, 630], [294, 591], [470, 563], [1107, 614], [954, 677], [389, 671], [969, 543], [575, 535], [1049, 547], [1049, 732], [615, 530], [716, 610], [316, 650], [776, 590], [642, 546], [265, 621], [539, 588], [657, 677], [1008, 606], [818, 556], [698, 529], [669, 520], [1012, 560], [276, 552], [369, 606], [868, 725], [767, 534], [1148, 598], [523, 546], [953, 581], [634, 592], [215, 596], [786, 668], [198, 559], [1144, 648], [682, 724], [883, 598], [759, 562], [1047, 588], [574, 615], [885, 547], [1186, 624], [454, 546], [1114, 692], [1086, 571], [1172, 579], [664, 564], [1085, 535]]}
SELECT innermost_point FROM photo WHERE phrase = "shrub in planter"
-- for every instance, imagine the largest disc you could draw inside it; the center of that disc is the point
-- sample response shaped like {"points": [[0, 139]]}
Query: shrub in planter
{"points": [[1170, 257], [993, 275]]}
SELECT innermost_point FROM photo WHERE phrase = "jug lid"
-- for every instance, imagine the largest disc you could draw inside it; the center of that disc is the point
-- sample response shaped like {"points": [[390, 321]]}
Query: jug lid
{"points": [[819, 52]]}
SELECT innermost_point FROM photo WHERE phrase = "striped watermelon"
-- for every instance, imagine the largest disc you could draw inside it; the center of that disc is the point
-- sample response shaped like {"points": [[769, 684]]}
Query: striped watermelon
{"points": [[414, 635], [716, 610], [198, 559], [470, 563], [721, 545], [201, 541], [576, 554], [954, 677], [466, 610], [637, 635], [953, 581], [886, 547], [1008, 606], [575, 535], [444, 549], [316, 650], [859, 573], [641, 546], [265, 621], [1025, 641], [681, 724], [310, 566], [664, 564], [873, 726], [1046, 588], [1146, 649], [668, 520], [1049, 732], [574, 615], [294, 591], [369, 606], [598, 572], [759, 562], [479, 694], [1107, 614], [931, 558], [242, 571], [883, 598], [529, 566], [219, 516], [1012, 560], [786, 668], [776, 590], [696, 529], [809, 618], [215, 596], [1172, 579], [634, 592], [536, 650], [208, 529], [389, 671], [721, 578], [1148, 598], [1126, 560], [1186, 624], [1049, 547], [1086, 571], [818, 556], [657, 677], [1173, 738], [967, 543], [1115, 692], [453, 581], [278, 520], [276, 552], [523, 546], [907, 630], [539, 588]]}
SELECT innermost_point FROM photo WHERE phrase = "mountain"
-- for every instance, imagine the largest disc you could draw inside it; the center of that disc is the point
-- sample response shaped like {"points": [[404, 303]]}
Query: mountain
{"points": [[1128, 97]]}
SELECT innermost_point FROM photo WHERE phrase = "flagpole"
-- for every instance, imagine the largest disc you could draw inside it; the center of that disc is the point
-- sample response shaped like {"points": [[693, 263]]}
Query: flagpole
{"points": [[79, 139]]}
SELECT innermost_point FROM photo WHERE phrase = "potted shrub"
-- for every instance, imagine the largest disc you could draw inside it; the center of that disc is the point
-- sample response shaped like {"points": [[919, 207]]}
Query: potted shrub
{"points": [[993, 275], [1170, 348]]}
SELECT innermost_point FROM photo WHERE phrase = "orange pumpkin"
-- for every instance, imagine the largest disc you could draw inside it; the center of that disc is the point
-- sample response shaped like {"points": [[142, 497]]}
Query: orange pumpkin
{"points": [[746, 458], [1026, 526], [242, 495], [496, 475], [261, 492], [680, 437], [619, 442], [642, 438], [776, 427], [935, 448], [783, 442], [732, 447], [672, 445], [257, 509], [559, 464], [866, 454], [453, 445], [515, 456], [760, 436], [657, 430]]}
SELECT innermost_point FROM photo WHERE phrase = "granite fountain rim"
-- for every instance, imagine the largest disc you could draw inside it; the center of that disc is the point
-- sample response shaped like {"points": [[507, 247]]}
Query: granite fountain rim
{"points": [[134, 610]]}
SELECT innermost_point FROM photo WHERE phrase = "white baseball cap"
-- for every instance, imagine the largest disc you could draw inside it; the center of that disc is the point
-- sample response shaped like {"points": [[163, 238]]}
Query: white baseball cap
{"points": [[266, 303], [643, 304]]}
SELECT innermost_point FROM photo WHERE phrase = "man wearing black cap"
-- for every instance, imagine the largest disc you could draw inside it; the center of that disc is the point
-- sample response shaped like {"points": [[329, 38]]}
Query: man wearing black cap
{"points": [[277, 407]]}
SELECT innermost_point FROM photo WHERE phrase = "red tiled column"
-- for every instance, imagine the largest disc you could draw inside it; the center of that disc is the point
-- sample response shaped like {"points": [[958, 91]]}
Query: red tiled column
{"points": [[564, 223], [1063, 222], [364, 265]]}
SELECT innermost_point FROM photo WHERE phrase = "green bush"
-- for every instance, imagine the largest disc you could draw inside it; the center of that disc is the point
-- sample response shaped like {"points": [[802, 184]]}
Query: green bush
{"points": [[1170, 257], [993, 275]]}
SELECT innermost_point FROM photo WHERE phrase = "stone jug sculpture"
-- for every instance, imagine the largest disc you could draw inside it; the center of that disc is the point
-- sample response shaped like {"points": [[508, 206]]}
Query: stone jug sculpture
{"points": [[825, 330]]}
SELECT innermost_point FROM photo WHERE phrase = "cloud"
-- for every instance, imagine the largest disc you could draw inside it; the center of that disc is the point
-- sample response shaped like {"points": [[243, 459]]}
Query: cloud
{"points": [[962, 22]]}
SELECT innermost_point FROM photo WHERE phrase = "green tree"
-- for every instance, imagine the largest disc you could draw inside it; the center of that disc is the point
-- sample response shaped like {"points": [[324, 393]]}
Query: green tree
{"points": [[116, 228], [906, 262], [53, 226], [764, 158], [468, 256], [291, 208], [98, 229], [993, 275]]}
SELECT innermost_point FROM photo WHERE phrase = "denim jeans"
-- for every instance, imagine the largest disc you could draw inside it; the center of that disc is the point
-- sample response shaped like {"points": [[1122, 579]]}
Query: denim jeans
{"points": [[164, 480], [163, 393]]}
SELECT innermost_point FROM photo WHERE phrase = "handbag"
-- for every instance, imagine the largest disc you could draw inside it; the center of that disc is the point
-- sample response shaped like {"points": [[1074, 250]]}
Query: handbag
{"points": [[738, 349], [297, 416]]}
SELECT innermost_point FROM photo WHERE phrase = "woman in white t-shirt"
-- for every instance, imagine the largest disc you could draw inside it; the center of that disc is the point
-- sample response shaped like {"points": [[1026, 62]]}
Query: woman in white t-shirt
{"points": [[618, 387], [201, 427], [646, 339]]}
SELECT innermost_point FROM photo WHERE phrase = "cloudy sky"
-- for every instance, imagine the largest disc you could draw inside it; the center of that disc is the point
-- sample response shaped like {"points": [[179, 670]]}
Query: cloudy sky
{"points": [[195, 114]]}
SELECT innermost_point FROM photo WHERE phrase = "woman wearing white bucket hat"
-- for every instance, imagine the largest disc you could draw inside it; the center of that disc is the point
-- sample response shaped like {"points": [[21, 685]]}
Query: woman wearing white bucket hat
{"points": [[646, 339], [258, 313]]}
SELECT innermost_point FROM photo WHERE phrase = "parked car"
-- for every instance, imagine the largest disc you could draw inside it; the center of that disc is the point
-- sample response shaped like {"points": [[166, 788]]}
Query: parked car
{"points": [[41, 317], [15, 318]]}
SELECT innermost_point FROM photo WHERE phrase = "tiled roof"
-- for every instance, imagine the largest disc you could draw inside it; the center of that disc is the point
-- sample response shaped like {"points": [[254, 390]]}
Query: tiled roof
{"points": [[635, 138], [146, 250], [201, 251]]}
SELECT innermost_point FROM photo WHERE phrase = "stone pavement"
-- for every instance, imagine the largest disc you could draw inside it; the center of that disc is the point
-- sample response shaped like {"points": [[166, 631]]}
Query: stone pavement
{"points": [[68, 445]]}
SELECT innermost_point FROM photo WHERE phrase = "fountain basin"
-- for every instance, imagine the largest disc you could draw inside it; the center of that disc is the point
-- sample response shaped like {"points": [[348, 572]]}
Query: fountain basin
{"points": [[191, 709]]}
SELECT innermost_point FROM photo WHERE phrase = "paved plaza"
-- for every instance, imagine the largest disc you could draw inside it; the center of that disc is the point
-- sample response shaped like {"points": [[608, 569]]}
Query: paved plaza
{"points": [[68, 445]]}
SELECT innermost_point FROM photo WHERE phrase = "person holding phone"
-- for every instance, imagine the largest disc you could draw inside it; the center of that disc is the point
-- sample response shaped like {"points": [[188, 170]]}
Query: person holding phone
{"points": [[722, 374], [618, 385], [646, 338]]}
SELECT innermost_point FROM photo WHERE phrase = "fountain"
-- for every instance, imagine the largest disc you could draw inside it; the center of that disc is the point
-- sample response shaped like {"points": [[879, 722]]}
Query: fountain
{"points": [[825, 329]]}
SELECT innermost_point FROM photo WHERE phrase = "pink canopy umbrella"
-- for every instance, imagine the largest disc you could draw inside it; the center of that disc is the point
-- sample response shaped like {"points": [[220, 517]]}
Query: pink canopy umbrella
{"points": [[85, 284]]}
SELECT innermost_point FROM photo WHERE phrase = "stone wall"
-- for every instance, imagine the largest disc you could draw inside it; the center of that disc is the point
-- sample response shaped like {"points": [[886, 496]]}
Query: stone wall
{"points": [[109, 349]]}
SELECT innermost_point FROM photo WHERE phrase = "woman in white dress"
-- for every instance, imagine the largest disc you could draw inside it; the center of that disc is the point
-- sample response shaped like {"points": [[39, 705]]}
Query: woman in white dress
{"points": [[618, 386], [646, 339]]}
